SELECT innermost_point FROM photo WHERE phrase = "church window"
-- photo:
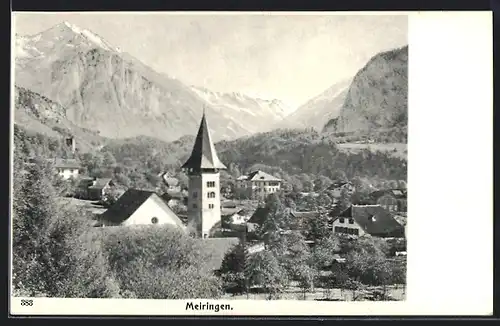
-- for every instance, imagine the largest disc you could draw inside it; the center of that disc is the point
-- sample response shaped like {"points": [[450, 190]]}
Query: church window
{"points": [[210, 206], [211, 194], [211, 184], [341, 220], [154, 220]]}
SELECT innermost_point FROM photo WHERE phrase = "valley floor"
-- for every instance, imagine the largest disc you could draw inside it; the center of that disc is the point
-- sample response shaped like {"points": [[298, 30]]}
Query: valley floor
{"points": [[398, 293]]}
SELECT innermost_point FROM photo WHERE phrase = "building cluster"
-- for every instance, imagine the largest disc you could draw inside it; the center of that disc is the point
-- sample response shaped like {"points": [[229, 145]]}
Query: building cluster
{"points": [[206, 210]]}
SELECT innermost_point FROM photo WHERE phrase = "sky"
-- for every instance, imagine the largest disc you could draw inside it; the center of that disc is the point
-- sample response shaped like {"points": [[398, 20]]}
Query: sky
{"points": [[288, 57]]}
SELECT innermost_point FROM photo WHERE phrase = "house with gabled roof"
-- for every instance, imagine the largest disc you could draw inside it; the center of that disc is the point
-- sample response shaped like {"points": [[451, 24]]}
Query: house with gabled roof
{"points": [[373, 220], [94, 188], [65, 167], [394, 200], [170, 182], [259, 184], [139, 207], [338, 187]]}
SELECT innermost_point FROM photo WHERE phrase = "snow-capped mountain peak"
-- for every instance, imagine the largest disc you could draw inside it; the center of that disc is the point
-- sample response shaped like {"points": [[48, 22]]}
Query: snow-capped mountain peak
{"points": [[242, 107], [92, 37]]}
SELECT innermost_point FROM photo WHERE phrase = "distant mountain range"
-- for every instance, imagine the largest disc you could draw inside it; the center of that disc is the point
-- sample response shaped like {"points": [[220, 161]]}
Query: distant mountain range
{"points": [[70, 80], [107, 90]]}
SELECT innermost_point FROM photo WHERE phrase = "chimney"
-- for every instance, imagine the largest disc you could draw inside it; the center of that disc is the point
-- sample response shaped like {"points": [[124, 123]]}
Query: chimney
{"points": [[70, 142]]}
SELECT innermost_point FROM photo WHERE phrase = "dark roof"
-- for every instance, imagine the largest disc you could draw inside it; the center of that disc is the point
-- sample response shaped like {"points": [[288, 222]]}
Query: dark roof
{"points": [[259, 215], [227, 211], [374, 220], [218, 247], [396, 193], [308, 215], [173, 195], [260, 175], [338, 184], [85, 182], [300, 219], [229, 204], [100, 183], [65, 163], [203, 155], [129, 202]]}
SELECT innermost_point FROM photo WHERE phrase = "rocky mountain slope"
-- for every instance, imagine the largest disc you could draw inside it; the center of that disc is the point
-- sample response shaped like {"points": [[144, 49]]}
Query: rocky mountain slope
{"points": [[319, 109], [37, 113], [107, 90], [377, 99]]}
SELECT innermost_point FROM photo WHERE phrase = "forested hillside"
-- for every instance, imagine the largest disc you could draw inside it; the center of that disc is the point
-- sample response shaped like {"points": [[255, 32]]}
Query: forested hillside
{"points": [[297, 156]]}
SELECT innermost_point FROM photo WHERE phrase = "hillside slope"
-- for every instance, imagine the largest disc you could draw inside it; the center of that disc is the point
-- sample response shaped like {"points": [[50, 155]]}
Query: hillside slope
{"points": [[36, 113], [112, 92], [377, 99]]}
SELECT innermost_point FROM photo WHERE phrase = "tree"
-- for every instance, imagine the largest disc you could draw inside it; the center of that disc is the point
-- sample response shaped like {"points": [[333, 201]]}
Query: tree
{"points": [[277, 218], [51, 253], [266, 272], [306, 275], [318, 228], [321, 182], [232, 269], [344, 200], [325, 251], [111, 196], [366, 261]]}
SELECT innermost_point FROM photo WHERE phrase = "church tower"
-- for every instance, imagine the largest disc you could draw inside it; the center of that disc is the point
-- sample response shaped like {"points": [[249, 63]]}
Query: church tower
{"points": [[203, 168]]}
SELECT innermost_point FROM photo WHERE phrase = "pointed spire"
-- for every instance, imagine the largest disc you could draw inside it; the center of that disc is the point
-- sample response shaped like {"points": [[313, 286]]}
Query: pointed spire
{"points": [[203, 155]]}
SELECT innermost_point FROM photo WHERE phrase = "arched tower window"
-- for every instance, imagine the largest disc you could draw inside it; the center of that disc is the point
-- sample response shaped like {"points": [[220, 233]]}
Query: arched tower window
{"points": [[211, 194]]}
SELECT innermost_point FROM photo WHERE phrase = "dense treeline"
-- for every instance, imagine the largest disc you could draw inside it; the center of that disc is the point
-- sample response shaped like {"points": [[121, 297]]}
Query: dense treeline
{"points": [[305, 159]]}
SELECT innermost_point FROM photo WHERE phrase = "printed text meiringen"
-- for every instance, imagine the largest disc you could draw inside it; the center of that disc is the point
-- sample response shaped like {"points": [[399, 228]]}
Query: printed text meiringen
{"points": [[208, 306]]}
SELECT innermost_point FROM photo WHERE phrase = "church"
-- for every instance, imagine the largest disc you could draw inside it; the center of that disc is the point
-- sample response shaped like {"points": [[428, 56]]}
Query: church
{"points": [[202, 169]]}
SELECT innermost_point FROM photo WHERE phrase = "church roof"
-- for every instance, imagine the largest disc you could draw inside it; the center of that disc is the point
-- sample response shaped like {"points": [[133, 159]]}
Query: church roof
{"points": [[130, 201], [203, 155]]}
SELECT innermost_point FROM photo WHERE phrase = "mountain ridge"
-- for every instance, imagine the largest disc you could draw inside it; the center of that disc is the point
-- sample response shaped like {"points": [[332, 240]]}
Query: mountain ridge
{"points": [[377, 99], [109, 90]]}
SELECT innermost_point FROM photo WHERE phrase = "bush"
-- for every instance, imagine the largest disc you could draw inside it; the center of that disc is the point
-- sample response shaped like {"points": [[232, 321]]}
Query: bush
{"points": [[159, 263]]}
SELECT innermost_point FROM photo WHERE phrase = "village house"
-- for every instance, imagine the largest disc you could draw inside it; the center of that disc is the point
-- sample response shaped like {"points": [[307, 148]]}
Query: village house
{"points": [[175, 198], [259, 184], [234, 216], [339, 186], [66, 168], [372, 220], [300, 220], [170, 182], [394, 200], [94, 188], [139, 207]]}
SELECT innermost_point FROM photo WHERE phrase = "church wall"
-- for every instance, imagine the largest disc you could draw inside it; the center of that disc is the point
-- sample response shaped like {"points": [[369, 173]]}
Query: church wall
{"points": [[150, 209]]}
